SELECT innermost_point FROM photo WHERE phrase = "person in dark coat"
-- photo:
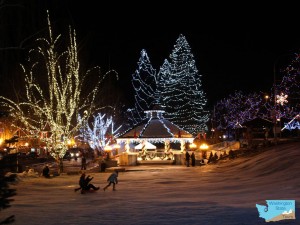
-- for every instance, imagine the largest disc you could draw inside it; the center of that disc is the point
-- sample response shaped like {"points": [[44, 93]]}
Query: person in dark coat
{"points": [[187, 158], [46, 171], [83, 162], [193, 158], [112, 179], [84, 183]]}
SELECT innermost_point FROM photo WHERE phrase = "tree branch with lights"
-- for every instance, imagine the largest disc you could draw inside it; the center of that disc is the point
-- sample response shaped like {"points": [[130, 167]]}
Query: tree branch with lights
{"points": [[53, 98]]}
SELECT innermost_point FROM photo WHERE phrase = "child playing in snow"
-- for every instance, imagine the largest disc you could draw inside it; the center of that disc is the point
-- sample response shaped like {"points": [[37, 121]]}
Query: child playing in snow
{"points": [[85, 185], [112, 179]]}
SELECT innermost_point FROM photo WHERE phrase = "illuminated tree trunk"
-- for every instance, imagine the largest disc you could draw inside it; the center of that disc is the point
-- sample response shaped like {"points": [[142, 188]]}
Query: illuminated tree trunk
{"points": [[60, 165]]}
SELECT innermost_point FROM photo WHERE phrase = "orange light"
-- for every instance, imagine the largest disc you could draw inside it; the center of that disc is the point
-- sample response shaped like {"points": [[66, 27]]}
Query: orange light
{"points": [[117, 146], [204, 146], [193, 145], [107, 148]]}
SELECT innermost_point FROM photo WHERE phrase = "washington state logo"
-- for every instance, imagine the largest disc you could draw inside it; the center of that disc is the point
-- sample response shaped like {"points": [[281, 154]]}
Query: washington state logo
{"points": [[276, 210]]}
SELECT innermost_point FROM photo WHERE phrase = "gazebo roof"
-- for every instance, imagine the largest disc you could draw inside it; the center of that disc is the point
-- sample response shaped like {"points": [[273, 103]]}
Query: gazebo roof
{"points": [[157, 128]]}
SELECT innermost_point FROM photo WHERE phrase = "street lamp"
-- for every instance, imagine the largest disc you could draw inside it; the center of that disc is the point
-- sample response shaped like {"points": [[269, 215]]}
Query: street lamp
{"points": [[204, 146], [193, 146], [274, 110], [267, 97]]}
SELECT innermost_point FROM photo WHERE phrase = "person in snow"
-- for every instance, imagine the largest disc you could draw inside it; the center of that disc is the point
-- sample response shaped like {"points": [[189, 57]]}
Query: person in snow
{"points": [[83, 162], [187, 158], [193, 158], [112, 179], [85, 185], [46, 171]]}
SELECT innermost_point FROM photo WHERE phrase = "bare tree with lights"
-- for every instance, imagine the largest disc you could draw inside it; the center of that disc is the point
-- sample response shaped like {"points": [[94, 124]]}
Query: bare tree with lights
{"points": [[97, 134], [237, 108], [56, 92], [287, 91]]}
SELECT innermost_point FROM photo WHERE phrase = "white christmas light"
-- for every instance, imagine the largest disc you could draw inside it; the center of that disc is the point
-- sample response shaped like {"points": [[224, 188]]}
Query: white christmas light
{"points": [[180, 89], [144, 84], [52, 103], [281, 99]]}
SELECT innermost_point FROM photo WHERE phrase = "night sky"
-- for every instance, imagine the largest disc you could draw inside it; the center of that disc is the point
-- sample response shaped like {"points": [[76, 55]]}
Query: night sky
{"points": [[233, 49]]}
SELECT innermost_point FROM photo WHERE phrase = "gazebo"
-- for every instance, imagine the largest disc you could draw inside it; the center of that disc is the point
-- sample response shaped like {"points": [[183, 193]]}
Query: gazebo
{"points": [[156, 130]]}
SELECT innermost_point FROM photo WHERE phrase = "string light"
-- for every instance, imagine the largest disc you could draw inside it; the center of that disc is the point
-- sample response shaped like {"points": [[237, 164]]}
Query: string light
{"points": [[97, 134], [144, 85], [180, 89], [241, 108], [177, 88], [57, 98], [238, 108]]}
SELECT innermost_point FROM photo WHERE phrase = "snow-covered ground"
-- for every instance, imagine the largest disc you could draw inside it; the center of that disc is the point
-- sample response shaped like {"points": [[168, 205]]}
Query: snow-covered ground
{"points": [[225, 193]]}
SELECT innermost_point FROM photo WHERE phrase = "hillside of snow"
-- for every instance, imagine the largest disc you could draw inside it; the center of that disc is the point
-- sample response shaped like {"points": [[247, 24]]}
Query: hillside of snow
{"points": [[222, 193]]}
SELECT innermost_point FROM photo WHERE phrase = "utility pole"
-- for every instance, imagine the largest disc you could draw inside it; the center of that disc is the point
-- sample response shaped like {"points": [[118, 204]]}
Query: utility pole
{"points": [[274, 110], [275, 96]]}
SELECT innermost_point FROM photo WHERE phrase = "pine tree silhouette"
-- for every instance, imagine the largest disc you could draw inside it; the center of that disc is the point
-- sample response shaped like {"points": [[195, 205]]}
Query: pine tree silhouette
{"points": [[5, 194]]}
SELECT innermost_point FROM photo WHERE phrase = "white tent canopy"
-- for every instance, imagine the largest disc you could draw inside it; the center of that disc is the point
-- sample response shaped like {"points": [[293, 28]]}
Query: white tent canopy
{"points": [[130, 145], [148, 145]]}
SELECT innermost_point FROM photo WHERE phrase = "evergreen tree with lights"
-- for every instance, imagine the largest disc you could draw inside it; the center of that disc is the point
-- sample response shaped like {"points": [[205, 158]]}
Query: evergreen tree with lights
{"points": [[181, 90], [144, 84], [163, 82]]}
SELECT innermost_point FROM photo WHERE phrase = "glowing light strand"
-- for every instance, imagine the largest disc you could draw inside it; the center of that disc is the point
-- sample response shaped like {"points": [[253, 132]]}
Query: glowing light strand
{"points": [[180, 89], [144, 84], [58, 101]]}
